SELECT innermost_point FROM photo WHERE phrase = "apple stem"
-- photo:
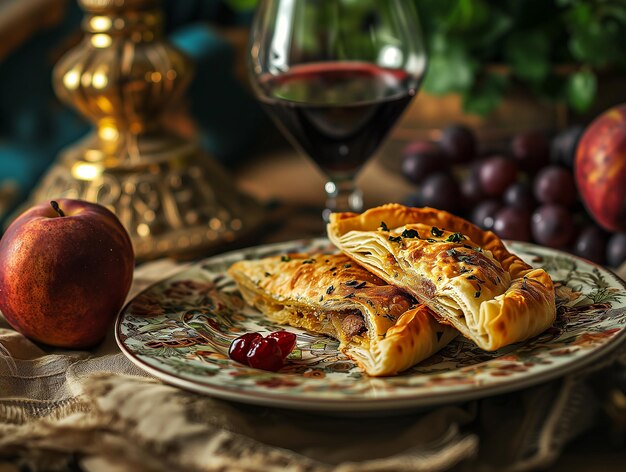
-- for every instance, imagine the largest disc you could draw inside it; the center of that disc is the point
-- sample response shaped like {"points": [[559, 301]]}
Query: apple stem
{"points": [[55, 207]]}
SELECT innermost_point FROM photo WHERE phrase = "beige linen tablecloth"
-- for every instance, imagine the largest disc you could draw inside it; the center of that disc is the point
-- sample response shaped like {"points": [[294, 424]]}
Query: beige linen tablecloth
{"points": [[96, 411]]}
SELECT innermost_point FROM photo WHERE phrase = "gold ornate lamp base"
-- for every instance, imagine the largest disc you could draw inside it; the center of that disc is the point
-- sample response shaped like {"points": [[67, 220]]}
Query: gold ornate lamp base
{"points": [[171, 197], [173, 201]]}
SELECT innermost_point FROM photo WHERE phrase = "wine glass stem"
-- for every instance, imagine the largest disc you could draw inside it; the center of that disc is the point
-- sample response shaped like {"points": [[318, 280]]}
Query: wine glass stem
{"points": [[342, 195]]}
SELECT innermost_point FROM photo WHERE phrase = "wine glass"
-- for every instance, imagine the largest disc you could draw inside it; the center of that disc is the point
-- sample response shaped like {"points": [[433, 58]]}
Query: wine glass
{"points": [[335, 75]]}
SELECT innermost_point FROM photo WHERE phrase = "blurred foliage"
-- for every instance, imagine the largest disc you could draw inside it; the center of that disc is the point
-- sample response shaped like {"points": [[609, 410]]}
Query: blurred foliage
{"points": [[555, 48], [241, 5]]}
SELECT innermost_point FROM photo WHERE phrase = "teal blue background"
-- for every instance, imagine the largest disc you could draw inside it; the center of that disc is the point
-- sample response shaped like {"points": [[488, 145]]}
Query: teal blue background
{"points": [[35, 126]]}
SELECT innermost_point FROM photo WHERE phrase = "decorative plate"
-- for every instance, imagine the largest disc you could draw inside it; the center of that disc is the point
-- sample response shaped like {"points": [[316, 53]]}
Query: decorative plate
{"points": [[180, 329]]}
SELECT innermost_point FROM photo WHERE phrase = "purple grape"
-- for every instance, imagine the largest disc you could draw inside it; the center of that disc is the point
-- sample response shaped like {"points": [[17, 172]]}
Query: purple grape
{"points": [[496, 174], [459, 143], [484, 213], [421, 159], [531, 149], [441, 191], [591, 244], [616, 250], [520, 195], [563, 150], [512, 223], [414, 200], [472, 191], [552, 226], [556, 185]]}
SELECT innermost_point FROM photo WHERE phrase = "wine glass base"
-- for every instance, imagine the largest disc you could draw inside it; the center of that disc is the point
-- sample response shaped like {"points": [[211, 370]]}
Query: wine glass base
{"points": [[326, 214], [342, 196]]}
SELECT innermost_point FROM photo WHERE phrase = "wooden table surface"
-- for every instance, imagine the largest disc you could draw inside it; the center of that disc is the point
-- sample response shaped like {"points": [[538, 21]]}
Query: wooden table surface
{"points": [[294, 180]]}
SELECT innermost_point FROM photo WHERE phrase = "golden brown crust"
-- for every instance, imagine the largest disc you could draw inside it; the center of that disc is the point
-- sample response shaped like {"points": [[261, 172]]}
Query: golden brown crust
{"points": [[471, 281], [395, 215], [416, 336], [322, 281], [317, 292]]}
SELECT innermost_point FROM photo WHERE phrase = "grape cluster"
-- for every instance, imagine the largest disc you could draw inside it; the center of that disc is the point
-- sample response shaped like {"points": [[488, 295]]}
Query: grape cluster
{"points": [[524, 191]]}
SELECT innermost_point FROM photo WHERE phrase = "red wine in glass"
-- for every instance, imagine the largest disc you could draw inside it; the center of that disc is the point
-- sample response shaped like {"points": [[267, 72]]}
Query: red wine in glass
{"points": [[337, 112], [335, 75]]}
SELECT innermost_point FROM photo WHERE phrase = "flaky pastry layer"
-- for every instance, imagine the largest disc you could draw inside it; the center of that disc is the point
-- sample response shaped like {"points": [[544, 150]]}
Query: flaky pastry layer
{"points": [[378, 325], [464, 274]]}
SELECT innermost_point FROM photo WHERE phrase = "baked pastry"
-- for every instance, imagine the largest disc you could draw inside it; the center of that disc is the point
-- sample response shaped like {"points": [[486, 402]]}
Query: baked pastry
{"points": [[378, 325], [464, 274]]}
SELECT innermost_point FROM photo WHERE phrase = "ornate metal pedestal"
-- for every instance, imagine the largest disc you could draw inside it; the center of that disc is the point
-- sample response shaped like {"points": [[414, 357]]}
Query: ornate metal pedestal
{"points": [[170, 196]]}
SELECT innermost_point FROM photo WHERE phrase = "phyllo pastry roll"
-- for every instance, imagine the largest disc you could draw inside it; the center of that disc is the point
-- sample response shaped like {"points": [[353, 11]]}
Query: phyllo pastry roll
{"points": [[464, 274], [378, 325]]}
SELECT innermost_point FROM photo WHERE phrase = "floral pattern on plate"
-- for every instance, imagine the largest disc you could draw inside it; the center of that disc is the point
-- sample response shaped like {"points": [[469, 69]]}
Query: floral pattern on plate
{"points": [[180, 330]]}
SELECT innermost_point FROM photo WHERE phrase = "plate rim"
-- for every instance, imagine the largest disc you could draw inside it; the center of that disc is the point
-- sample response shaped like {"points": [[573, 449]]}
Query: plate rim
{"points": [[353, 404]]}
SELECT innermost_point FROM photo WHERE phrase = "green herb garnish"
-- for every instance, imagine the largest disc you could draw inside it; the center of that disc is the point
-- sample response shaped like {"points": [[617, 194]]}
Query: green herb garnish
{"points": [[383, 226], [410, 233], [436, 232], [395, 239], [308, 261], [455, 238], [356, 283], [285, 258], [467, 259]]}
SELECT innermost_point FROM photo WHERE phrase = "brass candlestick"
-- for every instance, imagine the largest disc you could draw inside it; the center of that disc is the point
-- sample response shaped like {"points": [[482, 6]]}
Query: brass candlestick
{"points": [[125, 78]]}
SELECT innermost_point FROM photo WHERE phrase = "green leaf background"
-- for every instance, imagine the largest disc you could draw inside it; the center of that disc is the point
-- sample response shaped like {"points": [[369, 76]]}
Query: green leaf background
{"points": [[526, 39]]}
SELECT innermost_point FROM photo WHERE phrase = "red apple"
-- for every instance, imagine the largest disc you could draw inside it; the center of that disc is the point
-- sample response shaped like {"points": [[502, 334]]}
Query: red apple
{"points": [[65, 270], [600, 169]]}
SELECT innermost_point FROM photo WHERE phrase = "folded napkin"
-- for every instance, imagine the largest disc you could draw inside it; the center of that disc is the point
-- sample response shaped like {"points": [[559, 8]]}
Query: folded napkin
{"points": [[98, 412]]}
